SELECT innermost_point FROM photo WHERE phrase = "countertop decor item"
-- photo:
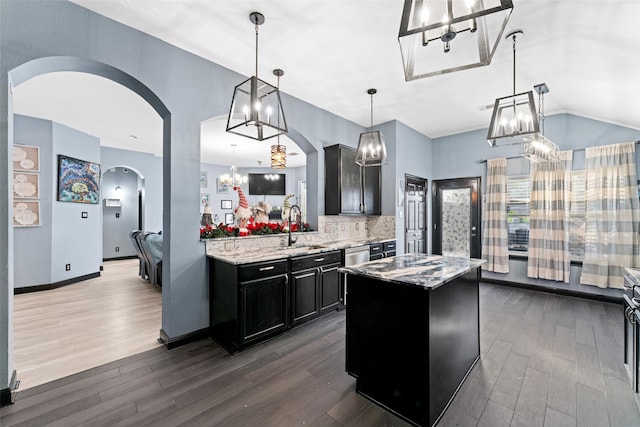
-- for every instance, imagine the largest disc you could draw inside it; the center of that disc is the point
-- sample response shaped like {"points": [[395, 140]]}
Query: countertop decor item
{"points": [[256, 103], [443, 36]]}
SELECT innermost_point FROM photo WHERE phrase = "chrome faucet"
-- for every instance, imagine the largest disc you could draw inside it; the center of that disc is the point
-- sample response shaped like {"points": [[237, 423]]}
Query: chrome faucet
{"points": [[298, 219]]}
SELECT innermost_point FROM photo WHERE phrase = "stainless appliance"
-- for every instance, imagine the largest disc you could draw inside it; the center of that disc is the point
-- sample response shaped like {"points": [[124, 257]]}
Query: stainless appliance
{"points": [[353, 256], [631, 303]]}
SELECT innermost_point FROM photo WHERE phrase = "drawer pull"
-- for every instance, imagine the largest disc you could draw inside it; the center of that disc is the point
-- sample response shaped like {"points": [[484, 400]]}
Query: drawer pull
{"points": [[375, 248], [318, 259], [271, 267]]}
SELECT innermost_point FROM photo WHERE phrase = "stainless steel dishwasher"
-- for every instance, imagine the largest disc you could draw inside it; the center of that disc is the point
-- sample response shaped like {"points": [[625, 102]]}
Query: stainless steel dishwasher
{"points": [[353, 256]]}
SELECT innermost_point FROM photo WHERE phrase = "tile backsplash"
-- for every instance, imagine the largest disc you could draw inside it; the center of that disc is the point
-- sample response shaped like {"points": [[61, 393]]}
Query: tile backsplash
{"points": [[331, 228]]}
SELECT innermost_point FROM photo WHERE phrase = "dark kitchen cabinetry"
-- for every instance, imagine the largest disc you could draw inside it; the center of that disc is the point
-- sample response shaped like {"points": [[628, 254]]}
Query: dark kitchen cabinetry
{"points": [[344, 183], [248, 302], [382, 250], [315, 285]]}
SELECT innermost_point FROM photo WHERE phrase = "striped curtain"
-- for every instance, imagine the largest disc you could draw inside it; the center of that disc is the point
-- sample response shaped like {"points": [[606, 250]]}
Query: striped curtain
{"points": [[494, 237], [612, 215], [549, 256]]}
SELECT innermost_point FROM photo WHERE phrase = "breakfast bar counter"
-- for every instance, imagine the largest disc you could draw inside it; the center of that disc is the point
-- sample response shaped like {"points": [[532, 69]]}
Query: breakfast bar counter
{"points": [[412, 331]]}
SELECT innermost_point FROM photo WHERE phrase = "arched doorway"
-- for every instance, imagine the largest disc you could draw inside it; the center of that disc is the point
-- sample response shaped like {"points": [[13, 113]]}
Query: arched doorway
{"points": [[34, 68]]}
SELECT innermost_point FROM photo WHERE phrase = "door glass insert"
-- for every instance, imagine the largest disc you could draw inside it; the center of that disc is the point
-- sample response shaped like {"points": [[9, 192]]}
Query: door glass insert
{"points": [[456, 222]]}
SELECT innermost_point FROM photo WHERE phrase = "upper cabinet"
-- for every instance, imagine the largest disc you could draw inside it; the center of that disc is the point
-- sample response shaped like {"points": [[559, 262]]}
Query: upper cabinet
{"points": [[343, 184]]}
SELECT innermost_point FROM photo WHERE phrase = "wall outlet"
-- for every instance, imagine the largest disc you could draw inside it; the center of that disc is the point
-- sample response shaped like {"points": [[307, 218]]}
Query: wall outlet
{"points": [[366, 225], [341, 227], [357, 226], [228, 246], [67, 267], [117, 214], [85, 215], [117, 248]]}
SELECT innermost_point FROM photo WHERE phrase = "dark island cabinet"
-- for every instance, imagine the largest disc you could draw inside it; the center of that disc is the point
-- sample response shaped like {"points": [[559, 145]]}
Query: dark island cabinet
{"points": [[315, 285], [248, 303], [344, 184]]}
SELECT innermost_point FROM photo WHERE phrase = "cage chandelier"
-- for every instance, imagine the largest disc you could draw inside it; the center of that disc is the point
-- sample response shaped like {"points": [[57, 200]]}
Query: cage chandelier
{"points": [[443, 36], [256, 103], [371, 148]]}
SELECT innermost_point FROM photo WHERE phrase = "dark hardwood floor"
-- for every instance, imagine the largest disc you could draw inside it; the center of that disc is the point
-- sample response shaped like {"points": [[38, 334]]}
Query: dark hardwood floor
{"points": [[547, 360]]}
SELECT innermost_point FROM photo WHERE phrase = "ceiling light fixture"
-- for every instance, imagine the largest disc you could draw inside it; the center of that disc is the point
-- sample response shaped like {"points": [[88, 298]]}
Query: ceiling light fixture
{"points": [[255, 103], [514, 116], [233, 178], [538, 147], [476, 26], [278, 152], [371, 148]]}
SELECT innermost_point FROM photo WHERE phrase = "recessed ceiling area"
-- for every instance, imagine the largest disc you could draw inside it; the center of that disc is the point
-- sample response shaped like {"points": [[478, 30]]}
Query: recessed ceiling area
{"points": [[333, 51], [122, 119]]}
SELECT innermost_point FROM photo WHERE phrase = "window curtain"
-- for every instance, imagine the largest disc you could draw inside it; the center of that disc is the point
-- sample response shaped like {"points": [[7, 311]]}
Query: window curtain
{"points": [[612, 215], [495, 240], [549, 255]]}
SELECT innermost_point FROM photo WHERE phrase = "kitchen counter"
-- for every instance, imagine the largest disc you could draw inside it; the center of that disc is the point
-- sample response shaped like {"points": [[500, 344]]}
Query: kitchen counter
{"points": [[408, 349], [425, 271], [244, 257]]}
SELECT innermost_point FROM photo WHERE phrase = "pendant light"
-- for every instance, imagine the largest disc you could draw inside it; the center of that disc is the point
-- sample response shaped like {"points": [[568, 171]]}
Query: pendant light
{"points": [[443, 36], [538, 147], [233, 178], [514, 116], [371, 148], [278, 152], [256, 103]]}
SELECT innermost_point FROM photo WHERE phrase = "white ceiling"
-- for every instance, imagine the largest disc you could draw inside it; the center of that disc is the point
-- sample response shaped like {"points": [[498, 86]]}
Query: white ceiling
{"points": [[332, 51]]}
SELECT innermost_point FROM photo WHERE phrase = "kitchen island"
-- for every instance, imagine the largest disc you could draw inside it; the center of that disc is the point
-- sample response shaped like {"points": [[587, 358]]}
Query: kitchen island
{"points": [[412, 332]]}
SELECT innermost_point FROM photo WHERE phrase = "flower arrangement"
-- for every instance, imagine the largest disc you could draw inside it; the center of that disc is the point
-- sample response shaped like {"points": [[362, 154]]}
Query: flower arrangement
{"points": [[254, 229]]}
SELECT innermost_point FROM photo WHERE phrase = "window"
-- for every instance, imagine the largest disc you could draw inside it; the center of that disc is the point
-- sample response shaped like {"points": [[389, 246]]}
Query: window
{"points": [[578, 220], [518, 198]]}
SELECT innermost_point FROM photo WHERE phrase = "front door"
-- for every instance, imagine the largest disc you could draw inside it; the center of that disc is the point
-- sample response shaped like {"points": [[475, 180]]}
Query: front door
{"points": [[415, 235], [456, 217]]}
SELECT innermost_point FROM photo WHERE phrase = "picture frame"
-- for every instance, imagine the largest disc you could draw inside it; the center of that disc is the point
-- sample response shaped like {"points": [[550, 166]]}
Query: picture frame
{"points": [[26, 213], [26, 158], [26, 185], [78, 180], [204, 200], [203, 179], [229, 219], [221, 187], [225, 204]]}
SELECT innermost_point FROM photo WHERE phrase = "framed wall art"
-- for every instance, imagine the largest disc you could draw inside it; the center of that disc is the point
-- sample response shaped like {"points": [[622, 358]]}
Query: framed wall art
{"points": [[204, 200], [203, 179], [221, 187], [78, 180], [228, 218], [26, 213], [26, 158], [26, 185], [225, 204]]}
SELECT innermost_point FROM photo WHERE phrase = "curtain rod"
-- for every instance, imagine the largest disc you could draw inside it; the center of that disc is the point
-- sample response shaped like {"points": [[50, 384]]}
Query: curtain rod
{"points": [[518, 157]]}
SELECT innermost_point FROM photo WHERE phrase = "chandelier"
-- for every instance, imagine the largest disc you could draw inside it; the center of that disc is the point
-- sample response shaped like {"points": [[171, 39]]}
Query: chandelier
{"points": [[371, 148], [233, 178], [256, 103], [470, 28], [514, 116], [278, 152], [538, 147]]}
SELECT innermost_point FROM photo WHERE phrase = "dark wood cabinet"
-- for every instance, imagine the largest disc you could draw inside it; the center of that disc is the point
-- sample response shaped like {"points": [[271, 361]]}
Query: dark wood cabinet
{"points": [[344, 183], [248, 302], [315, 285]]}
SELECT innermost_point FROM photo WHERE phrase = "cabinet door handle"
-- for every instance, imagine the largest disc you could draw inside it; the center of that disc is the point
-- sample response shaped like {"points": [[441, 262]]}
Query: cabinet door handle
{"points": [[318, 259], [271, 267]]}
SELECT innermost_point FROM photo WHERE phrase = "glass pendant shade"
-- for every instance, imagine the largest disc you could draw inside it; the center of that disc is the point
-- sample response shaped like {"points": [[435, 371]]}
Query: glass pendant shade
{"points": [[254, 110], [538, 147], [371, 149], [443, 36], [278, 156], [513, 117]]}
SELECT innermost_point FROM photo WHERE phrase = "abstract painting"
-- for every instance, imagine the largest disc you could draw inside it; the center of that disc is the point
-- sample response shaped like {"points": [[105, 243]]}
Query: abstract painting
{"points": [[78, 180]]}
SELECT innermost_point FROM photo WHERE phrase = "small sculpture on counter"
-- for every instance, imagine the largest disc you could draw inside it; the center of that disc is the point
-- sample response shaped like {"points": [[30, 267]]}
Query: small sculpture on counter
{"points": [[262, 210], [206, 216], [242, 213]]}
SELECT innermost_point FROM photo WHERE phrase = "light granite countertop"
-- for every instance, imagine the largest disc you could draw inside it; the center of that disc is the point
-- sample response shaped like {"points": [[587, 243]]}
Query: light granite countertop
{"points": [[245, 257], [427, 271]]}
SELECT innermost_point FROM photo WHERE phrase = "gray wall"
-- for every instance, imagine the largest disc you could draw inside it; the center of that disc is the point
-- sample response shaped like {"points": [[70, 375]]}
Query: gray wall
{"points": [[116, 229], [457, 156], [45, 36]]}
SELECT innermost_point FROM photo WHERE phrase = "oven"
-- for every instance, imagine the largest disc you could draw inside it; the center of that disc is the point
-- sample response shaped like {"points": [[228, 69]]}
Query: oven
{"points": [[631, 301]]}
